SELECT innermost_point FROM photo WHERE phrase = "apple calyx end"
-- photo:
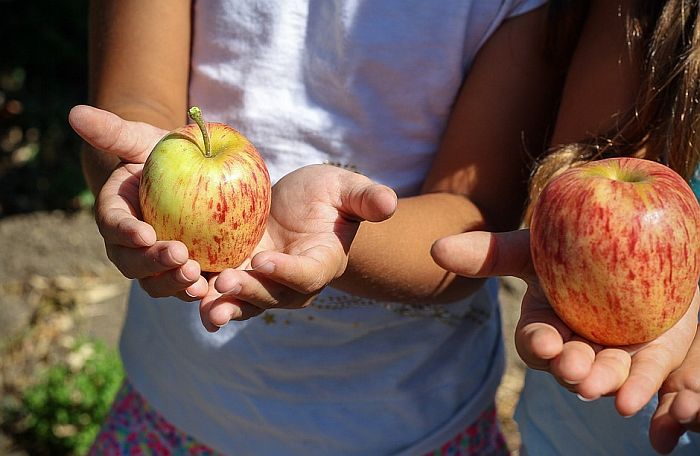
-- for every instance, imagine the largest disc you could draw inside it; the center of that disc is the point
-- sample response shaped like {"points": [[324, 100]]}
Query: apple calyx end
{"points": [[195, 114]]}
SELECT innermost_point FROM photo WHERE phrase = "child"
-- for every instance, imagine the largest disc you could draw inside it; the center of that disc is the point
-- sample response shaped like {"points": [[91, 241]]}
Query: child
{"points": [[660, 125], [433, 99]]}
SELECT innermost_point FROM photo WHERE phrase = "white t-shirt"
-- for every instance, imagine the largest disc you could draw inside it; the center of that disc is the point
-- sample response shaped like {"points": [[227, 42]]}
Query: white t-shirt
{"points": [[553, 421], [368, 85]]}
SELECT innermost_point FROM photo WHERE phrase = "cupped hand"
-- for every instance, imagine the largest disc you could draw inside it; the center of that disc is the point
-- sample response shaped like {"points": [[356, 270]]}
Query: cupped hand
{"points": [[679, 402], [162, 267], [633, 374], [316, 212]]}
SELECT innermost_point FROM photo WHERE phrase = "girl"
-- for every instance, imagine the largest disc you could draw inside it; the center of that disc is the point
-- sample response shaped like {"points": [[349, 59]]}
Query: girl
{"points": [[648, 108], [433, 99]]}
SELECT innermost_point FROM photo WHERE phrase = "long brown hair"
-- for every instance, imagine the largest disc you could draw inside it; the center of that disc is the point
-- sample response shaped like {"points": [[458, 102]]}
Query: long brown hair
{"points": [[664, 122]]}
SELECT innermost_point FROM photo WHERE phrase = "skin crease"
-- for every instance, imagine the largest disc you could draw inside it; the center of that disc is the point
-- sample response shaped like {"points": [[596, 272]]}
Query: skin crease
{"points": [[591, 102]]}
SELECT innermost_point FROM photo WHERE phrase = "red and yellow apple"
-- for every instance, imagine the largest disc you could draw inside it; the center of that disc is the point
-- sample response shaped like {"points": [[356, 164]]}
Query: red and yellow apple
{"points": [[616, 246], [206, 185]]}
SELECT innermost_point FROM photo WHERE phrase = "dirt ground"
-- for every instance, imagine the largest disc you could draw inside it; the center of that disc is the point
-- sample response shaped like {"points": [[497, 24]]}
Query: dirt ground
{"points": [[56, 283]]}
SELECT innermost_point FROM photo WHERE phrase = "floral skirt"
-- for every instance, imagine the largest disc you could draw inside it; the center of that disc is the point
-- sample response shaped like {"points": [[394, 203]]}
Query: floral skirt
{"points": [[133, 427]]}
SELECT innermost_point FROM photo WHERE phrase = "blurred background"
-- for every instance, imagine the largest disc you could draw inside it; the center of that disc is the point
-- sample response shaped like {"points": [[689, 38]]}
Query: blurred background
{"points": [[61, 301], [42, 74]]}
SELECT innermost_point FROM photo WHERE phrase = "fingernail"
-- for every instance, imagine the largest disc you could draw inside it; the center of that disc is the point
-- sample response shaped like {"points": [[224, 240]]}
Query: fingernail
{"points": [[570, 382], [187, 292], [172, 257], [685, 420], [586, 399], [183, 272], [267, 267]]}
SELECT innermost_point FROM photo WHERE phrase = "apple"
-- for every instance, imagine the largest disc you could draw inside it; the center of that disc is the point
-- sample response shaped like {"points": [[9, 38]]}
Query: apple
{"points": [[616, 246], [206, 185]]}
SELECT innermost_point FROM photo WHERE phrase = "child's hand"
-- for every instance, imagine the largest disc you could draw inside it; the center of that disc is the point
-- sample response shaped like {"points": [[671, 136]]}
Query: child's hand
{"points": [[316, 211], [162, 267], [633, 374], [679, 402]]}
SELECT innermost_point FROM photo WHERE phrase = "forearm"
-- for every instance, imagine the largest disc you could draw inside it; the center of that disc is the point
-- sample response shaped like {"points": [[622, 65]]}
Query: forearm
{"points": [[391, 260], [478, 178], [139, 67]]}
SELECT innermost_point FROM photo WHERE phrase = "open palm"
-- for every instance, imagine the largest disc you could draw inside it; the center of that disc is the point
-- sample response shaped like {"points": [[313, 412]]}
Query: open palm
{"points": [[633, 373], [162, 267], [315, 213]]}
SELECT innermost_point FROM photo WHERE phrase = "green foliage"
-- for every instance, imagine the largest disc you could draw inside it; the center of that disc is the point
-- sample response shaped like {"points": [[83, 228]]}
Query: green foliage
{"points": [[43, 73], [61, 414]]}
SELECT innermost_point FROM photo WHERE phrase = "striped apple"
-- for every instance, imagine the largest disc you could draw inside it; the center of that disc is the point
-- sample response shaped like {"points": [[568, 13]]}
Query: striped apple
{"points": [[206, 185], [616, 246]]}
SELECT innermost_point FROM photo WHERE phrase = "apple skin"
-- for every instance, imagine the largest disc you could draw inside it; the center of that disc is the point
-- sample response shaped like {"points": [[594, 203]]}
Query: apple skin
{"points": [[217, 206], [616, 246]]}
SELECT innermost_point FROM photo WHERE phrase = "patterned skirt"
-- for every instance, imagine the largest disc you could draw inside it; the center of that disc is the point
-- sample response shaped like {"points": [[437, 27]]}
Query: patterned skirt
{"points": [[133, 427]]}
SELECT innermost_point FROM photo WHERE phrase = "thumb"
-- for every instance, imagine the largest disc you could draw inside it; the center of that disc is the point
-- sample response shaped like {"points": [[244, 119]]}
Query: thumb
{"points": [[362, 199], [485, 254], [107, 132]]}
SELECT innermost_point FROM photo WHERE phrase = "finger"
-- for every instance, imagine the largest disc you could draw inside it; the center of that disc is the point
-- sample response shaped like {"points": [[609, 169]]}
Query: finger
{"points": [[105, 131], [150, 261], [196, 291], [228, 308], [362, 199], [216, 310], [206, 303], [539, 334], [484, 254], [204, 307], [608, 373], [574, 363], [649, 368], [686, 409], [121, 228], [259, 291], [664, 430], [172, 282], [537, 344], [306, 273], [116, 212]]}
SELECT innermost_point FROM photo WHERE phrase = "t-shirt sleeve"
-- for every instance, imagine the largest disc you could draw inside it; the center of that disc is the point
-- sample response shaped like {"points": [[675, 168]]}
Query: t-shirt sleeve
{"points": [[519, 7]]}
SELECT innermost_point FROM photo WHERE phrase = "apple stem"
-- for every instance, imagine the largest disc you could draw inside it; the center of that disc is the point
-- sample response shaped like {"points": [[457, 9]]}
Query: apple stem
{"points": [[196, 114]]}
